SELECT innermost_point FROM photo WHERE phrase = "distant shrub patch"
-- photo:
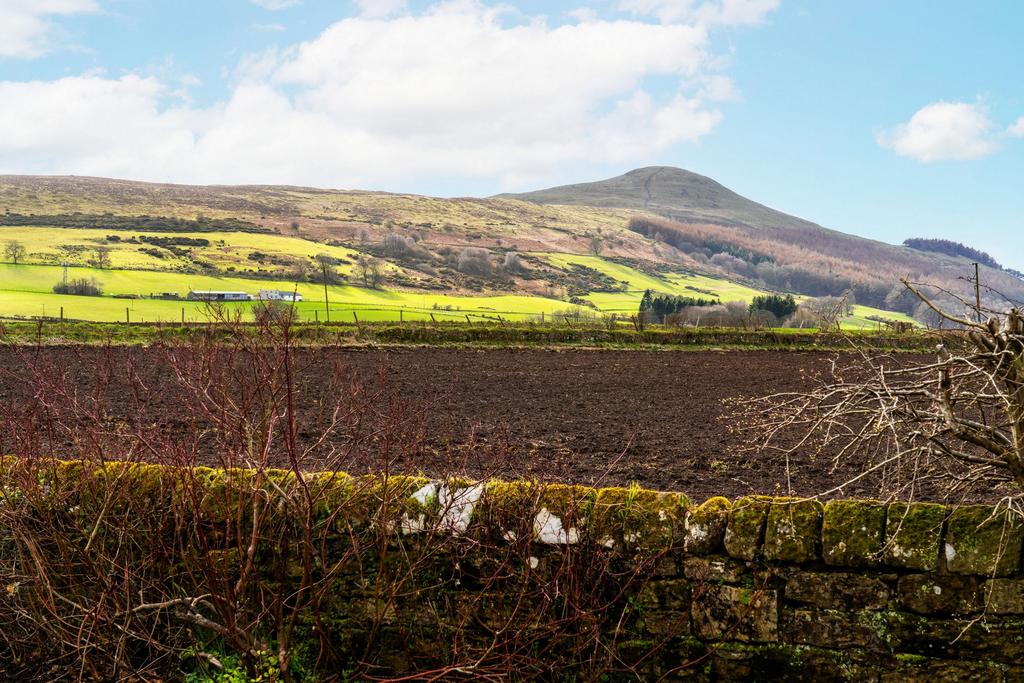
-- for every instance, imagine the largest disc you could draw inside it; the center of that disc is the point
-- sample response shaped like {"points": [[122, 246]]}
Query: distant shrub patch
{"points": [[79, 286]]}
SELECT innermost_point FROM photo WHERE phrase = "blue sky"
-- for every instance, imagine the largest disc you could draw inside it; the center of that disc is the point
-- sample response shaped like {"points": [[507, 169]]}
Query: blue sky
{"points": [[885, 119]]}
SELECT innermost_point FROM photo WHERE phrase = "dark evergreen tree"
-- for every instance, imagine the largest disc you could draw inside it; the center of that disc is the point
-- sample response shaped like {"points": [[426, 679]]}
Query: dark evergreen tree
{"points": [[781, 305]]}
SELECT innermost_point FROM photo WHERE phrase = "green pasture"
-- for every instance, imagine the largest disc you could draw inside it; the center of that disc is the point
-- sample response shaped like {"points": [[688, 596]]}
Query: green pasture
{"points": [[26, 291], [690, 284], [637, 281], [634, 279], [226, 249]]}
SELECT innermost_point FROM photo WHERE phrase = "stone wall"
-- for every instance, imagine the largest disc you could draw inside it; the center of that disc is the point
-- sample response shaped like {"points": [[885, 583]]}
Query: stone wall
{"points": [[852, 590], [554, 580]]}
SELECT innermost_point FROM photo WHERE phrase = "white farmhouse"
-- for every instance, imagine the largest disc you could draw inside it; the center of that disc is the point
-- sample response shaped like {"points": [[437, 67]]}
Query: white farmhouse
{"points": [[213, 295], [278, 295]]}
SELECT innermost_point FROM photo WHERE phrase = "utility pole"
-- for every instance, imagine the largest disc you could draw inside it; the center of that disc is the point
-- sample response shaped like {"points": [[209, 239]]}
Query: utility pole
{"points": [[327, 301], [977, 290]]}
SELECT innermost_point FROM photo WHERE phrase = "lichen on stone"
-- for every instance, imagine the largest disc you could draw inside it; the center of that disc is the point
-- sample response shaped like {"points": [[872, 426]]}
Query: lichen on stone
{"points": [[852, 533], [984, 540], [793, 530], [912, 535], [745, 529], [637, 519], [704, 526]]}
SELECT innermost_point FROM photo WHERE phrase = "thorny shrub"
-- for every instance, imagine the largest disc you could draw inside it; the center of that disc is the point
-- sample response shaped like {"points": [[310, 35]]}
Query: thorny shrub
{"points": [[131, 560]]}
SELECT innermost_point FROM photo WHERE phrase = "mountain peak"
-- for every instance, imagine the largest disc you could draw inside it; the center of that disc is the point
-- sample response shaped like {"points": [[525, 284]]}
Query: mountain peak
{"points": [[672, 192]]}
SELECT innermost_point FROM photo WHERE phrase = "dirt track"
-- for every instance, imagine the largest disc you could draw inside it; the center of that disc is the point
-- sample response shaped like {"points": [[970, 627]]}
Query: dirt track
{"points": [[605, 417]]}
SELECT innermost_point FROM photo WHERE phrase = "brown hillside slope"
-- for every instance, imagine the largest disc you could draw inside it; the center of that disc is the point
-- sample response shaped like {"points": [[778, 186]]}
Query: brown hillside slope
{"points": [[716, 224], [711, 214]]}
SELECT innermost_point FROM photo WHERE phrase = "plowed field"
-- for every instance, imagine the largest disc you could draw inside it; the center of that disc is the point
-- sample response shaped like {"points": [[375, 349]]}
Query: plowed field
{"points": [[593, 417]]}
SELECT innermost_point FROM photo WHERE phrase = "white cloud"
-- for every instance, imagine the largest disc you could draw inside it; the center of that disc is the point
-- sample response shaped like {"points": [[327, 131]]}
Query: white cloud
{"points": [[943, 131], [25, 25], [102, 126], [275, 5], [452, 92], [706, 12], [719, 88], [378, 9], [1017, 128]]}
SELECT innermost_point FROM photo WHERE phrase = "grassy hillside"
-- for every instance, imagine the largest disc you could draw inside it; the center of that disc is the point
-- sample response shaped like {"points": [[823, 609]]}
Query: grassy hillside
{"points": [[699, 214], [594, 252], [27, 292]]}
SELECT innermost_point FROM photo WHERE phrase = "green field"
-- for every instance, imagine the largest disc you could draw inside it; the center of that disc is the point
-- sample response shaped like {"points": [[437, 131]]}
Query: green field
{"points": [[690, 284], [26, 291], [47, 245]]}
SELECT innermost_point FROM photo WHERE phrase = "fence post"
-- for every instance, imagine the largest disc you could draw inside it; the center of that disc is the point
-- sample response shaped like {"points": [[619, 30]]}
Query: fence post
{"points": [[401, 318], [127, 316], [62, 314], [182, 315]]}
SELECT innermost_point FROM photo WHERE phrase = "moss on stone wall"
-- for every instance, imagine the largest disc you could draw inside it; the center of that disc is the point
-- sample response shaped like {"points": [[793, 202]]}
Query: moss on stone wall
{"points": [[851, 533], [793, 531], [983, 540], [912, 534], [745, 530], [851, 590], [704, 526]]}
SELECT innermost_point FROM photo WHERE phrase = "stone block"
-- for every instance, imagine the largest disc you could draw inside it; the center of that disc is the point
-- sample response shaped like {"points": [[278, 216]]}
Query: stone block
{"points": [[790, 663], [995, 639], [671, 594], [851, 533], [723, 569], [831, 629], [926, 670], [704, 526], [744, 614], [938, 593], [793, 531], [666, 566], [745, 530], [664, 623], [913, 533], [1004, 596], [981, 540], [837, 590], [637, 520]]}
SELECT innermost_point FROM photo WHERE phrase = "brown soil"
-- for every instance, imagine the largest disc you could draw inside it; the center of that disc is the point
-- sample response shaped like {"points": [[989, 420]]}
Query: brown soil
{"points": [[593, 417]]}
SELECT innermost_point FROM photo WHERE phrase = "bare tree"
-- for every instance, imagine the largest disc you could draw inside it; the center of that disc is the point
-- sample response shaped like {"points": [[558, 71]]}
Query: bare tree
{"points": [[512, 262], [958, 416], [14, 251], [370, 271], [475, 261], [102, 259], [822, 312], [326, 266]]}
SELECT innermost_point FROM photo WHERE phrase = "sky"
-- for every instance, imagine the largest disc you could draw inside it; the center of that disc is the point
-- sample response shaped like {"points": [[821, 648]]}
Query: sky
{"points": [[883, 119]]}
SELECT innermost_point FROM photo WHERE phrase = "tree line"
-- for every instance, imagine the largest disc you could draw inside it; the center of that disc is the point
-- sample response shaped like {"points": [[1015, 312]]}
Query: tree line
{"points": [[151, 223], [661, 306]]}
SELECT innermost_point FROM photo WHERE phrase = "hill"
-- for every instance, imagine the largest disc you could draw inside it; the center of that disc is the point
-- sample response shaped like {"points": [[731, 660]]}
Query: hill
{"points": [[701, 214], [670, 192], [581, 249]]}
